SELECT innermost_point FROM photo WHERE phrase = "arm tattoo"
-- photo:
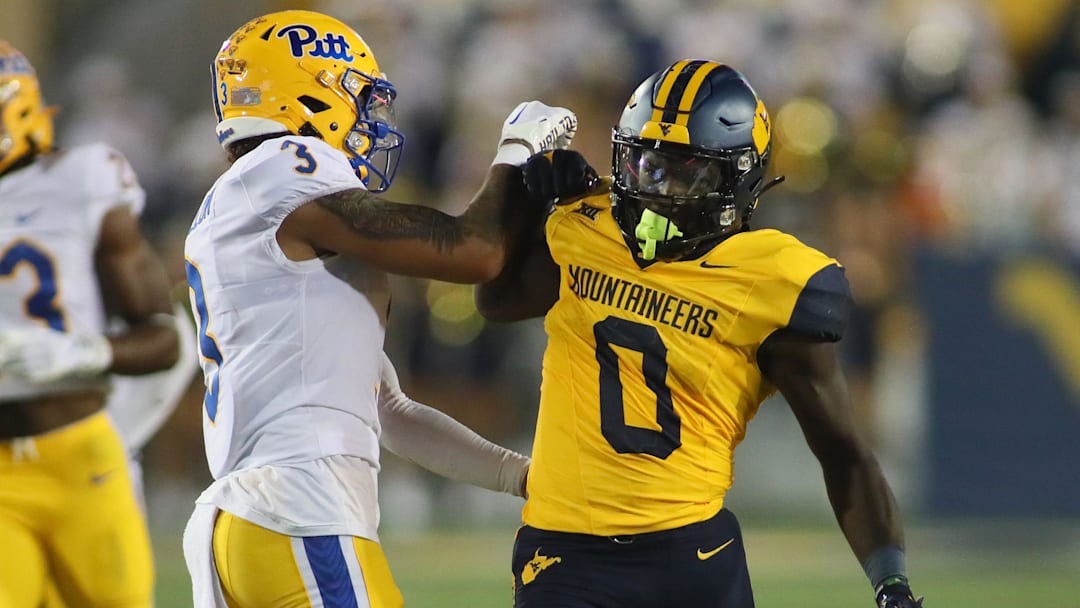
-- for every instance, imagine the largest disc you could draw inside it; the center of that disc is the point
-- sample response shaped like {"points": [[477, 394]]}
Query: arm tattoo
{"points": [[378, 219]]}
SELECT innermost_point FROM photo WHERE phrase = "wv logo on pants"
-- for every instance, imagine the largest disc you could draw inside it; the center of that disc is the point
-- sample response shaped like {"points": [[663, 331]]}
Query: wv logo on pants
{"points": [[538, 564]]}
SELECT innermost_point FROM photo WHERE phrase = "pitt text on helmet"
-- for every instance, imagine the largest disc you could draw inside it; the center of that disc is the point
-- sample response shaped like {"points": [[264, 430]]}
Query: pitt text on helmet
{"points": [[304, 40]]}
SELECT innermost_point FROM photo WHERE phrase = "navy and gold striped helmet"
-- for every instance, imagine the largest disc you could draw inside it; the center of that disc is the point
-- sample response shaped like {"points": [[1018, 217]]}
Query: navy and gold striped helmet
{"points": [[689, 159]]}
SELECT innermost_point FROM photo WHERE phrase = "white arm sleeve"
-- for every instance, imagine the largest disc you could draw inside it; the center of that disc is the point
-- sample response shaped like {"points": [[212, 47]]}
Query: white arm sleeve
{"points": [[442, 445]]}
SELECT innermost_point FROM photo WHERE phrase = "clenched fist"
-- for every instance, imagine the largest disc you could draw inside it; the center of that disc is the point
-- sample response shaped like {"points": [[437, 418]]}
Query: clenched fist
{"points": [[534, 127]]}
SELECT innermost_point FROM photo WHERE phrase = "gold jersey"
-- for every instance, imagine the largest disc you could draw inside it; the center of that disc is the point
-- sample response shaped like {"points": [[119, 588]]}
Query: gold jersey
{"points": [[650, 374]]}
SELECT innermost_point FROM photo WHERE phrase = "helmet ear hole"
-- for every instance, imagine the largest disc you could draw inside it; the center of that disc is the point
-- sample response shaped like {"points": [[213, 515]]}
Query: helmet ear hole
{"points": [[313, 104]]}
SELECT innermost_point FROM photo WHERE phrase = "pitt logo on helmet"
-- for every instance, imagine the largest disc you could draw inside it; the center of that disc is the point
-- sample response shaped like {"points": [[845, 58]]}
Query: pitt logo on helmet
{"points": [[304, 40], [14, 63]]}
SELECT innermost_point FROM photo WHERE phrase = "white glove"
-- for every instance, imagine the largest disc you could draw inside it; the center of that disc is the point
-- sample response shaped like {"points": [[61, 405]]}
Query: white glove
{"points": [[44, 355], [531, 128]]}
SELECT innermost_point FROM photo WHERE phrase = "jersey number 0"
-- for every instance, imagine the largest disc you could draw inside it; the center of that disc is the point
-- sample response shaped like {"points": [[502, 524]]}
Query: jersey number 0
{"points": [[646, 340]]}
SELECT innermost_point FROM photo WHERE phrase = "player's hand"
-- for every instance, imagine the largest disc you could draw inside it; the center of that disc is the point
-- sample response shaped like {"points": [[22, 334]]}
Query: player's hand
{"points": [[897, 594], [534, 127], [44, 355], [559, 176]]}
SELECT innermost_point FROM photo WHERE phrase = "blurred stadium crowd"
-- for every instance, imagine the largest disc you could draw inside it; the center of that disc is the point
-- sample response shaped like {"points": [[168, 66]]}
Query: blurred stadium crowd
{"points": [[900, 125]]}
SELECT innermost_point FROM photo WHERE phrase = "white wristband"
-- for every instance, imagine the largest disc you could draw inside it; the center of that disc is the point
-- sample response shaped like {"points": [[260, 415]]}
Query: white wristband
{"points": [[99, 354], [512, 153]]}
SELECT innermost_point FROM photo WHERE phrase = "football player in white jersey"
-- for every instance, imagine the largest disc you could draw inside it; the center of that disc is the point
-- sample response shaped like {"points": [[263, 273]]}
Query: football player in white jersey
{"points": [[287, 262], [71, 251]]}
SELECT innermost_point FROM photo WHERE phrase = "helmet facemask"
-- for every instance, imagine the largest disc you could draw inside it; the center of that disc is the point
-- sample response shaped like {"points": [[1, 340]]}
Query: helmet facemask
{"points": [[672, 200], [374, 143]]}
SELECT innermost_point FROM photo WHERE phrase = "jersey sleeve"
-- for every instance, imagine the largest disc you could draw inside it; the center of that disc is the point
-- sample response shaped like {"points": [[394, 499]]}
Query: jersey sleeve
{"points": [[822, 309], [108, 181], [284, 173], [814, 291], [795, 289]]}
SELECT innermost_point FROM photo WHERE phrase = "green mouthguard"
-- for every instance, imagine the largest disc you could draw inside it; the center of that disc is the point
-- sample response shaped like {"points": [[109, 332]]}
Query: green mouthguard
{"points": [[651, 228]]}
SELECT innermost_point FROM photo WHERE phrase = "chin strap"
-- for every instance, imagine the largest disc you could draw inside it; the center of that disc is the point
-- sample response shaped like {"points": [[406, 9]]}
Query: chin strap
{"points": [[651, 229], [776, 181]]}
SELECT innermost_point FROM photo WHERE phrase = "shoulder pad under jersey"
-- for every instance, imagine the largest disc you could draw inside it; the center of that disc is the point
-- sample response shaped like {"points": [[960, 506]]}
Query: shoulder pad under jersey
{"points": [[283, 173]]}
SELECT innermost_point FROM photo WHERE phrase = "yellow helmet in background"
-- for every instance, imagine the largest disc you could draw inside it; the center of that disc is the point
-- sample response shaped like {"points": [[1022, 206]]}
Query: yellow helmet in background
{"points": [[26, 126], [309, 74]]}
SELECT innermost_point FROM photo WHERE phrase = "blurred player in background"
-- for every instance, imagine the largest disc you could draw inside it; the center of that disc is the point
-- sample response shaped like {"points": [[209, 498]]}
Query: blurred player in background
{"points": [[140, 405], [669, 322], [71, 253], [287, 262]]}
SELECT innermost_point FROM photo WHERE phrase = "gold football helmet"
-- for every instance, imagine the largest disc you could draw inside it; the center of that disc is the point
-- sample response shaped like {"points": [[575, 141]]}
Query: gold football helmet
{"points": [[309, 74], [26, 125]]}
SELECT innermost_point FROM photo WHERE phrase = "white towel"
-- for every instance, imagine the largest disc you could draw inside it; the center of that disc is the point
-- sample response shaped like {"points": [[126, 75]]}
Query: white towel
{"points": [[199, 555]]}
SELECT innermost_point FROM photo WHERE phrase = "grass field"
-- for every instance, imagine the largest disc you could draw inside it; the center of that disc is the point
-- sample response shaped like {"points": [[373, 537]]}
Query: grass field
{"points": [[954, 566]]}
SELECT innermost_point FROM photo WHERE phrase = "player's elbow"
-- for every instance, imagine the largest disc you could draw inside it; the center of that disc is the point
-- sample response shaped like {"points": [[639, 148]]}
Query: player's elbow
{"points": [[490, 266], [471, 265], [172, 353], [478, 271], [842, 452]]}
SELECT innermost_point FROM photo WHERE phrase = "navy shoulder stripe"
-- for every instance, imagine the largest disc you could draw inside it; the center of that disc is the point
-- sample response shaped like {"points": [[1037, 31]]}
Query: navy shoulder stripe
{"points": [[822, 310]]}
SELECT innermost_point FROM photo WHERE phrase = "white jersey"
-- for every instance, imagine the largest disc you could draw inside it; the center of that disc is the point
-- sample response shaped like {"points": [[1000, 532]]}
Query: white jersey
{"points": [[291, 351], [50, 216]]}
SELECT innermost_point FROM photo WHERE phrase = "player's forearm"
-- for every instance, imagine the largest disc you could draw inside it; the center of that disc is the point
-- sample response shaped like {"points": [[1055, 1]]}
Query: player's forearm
{"points": [[416, 240], [146, 347], [499, 299], [444, 446], [863, 502], [528, 283], [525, 289]]}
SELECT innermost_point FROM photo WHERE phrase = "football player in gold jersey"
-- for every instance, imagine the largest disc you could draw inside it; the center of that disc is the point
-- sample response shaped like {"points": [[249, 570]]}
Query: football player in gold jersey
{"points": [[669, 322]]}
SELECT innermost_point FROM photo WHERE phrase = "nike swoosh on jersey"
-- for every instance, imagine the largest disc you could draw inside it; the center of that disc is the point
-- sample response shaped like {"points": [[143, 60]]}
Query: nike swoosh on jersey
{"points": [[101, 478], [704, 555], [705, 264], [22, 218]]}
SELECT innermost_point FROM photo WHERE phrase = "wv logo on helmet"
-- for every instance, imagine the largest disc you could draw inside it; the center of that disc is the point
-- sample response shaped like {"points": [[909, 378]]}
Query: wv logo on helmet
{"points": [[304, 40]]}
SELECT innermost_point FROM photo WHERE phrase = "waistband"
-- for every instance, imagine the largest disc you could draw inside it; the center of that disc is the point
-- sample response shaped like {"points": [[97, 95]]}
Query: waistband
{"points": [[688, 531]]}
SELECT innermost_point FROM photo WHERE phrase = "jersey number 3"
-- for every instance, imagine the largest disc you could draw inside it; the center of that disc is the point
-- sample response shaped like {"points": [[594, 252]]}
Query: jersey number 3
{"points": [[208, 346], [41, 304], [627, 439]]}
